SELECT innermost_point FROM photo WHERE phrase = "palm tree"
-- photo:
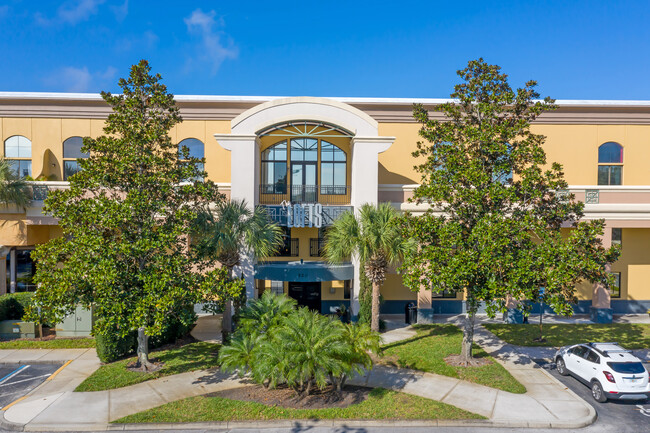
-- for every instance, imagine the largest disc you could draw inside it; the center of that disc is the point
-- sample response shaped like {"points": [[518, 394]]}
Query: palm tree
{"points": [[375, 239], [231, 230], [13, 189]]}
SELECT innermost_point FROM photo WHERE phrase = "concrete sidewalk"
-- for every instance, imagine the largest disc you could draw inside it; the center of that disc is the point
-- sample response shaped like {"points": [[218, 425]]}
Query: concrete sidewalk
{"points": [[54, 406]]}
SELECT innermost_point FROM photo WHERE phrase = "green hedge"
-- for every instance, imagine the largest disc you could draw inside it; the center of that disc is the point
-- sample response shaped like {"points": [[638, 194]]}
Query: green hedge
{"points": [[12, 305], [111, 347]]}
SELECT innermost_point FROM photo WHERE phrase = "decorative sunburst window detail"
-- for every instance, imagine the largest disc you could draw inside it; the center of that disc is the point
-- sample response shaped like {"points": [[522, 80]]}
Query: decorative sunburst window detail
{"points": [[305, 129]]}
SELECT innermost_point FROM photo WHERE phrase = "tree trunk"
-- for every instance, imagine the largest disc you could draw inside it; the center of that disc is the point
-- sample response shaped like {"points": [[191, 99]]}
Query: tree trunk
{"points": [[226, 324], [468, 338], [468, 330], [374, 322], [226, 321], [143, 350]]}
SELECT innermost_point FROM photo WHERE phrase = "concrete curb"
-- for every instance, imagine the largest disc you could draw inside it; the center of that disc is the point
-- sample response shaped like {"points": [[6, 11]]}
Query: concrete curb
{"points": [[8, 425], [35, 362], [307, 423]]}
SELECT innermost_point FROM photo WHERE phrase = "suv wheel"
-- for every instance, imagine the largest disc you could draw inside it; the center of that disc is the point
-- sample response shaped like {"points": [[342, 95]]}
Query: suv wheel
{"points": [[597, 392], [561, 367]]}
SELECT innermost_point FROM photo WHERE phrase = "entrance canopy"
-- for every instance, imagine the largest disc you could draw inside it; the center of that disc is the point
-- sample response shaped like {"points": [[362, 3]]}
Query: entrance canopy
{"points": [[303, 272]]}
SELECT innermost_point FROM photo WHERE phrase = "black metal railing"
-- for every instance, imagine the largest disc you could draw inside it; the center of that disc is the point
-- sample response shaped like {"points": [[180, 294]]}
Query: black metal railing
{"points": [[323, 194], [289, 249], [316, 246]]}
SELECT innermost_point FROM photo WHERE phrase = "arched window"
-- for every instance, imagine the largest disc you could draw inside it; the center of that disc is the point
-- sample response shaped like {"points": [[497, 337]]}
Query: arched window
{"points": [[610, 164], [332, 169], [18, 152], [274, 169], [72, 152], [195, 149]]}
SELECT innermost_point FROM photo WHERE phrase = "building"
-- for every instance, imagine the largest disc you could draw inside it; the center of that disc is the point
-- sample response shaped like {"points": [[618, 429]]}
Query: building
{"points": [[309, 159]]}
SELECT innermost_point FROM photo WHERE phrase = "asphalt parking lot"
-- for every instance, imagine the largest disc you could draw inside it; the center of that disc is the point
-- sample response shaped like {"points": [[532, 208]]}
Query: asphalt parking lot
{"points": [[620, 416], [16, 380]]}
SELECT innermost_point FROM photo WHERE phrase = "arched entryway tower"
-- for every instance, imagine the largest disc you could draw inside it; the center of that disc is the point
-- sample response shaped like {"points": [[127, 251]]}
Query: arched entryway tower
{"points": [[318, 137]]}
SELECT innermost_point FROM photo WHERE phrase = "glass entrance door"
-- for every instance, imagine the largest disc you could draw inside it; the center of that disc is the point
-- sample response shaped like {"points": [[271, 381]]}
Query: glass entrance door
{"points": [[306, 294], [303, 182]]}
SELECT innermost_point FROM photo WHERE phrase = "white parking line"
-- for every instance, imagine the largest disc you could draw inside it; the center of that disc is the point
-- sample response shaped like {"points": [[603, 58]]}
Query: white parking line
{"points": [[12, 374], [25, 380]]}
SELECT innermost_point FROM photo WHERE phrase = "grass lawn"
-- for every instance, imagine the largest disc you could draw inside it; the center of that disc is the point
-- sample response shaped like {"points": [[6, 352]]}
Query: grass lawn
{"points": [[57, 343], [190, 357], [381, 404], [427, 352], [629, 335]]}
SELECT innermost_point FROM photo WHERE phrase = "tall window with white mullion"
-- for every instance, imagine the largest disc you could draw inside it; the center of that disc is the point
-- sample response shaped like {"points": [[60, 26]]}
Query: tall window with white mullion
{"points": [[18, 152], [304, 160], [333, 169], [192, 148], [71, 154], [274, 169], [610, 164]]}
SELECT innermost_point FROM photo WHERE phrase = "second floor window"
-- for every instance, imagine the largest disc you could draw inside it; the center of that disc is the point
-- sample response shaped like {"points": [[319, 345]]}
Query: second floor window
{"points": [[333, 169], [71, 153], [274, 169], [194, 148], [18, 152], [610, 164]]}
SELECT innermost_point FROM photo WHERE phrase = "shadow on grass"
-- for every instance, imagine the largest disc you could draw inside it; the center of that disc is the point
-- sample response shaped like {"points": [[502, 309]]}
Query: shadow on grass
{"points": [[629, 335]]}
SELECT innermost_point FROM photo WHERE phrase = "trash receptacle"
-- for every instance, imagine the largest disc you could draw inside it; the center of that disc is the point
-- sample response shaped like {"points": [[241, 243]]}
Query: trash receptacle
{"points": [[410, 313]]}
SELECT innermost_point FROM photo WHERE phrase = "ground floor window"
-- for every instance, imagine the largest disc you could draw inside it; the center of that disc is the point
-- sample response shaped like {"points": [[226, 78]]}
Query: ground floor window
{"points": [[615, 290], [277, 287], [20, 271]]}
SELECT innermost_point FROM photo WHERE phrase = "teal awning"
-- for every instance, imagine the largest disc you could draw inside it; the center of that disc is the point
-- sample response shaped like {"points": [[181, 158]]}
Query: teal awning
{"points": [[303, 272]]}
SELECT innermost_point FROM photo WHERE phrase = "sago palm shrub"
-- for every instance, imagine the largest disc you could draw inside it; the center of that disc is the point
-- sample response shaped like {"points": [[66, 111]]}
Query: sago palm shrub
{"points": [[315, 347], [281, 345], [265, 312]]}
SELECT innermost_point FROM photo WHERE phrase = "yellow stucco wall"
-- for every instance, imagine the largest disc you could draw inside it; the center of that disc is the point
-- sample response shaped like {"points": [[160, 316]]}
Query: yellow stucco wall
{"points": [[396, 164], [576, 148], [49, 134]]}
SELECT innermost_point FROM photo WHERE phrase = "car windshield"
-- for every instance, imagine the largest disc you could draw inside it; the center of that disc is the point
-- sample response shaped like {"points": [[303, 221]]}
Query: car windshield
{"points": [[627, 367]]}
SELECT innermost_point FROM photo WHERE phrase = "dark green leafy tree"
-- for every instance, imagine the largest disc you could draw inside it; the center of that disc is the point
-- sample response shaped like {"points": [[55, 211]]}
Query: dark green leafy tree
{"points": [[229, 231], [125, 221], [494, 226], [375, 238]]}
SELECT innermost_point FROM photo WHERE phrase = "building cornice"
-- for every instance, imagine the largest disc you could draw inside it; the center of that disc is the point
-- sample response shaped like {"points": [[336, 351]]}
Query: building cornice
{"points": [[391, 110]]}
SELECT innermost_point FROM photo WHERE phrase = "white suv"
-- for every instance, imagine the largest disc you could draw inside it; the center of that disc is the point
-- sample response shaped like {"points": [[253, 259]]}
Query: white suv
{"points": [[611, 371]]}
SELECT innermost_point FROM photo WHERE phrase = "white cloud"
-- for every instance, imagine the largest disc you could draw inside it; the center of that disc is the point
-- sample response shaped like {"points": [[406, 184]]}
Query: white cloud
{"points": [[121, 11], [146, 42], [212, 51], [71, 79], [71, 12]]}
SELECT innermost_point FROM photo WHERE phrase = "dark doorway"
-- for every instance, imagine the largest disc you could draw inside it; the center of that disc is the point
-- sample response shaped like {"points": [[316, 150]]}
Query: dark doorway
{"points": [[307, 294]]}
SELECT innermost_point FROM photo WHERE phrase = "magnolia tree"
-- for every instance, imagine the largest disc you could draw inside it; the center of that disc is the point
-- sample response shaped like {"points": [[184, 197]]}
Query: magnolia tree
{"points": [[494, 227], [125, 222]]}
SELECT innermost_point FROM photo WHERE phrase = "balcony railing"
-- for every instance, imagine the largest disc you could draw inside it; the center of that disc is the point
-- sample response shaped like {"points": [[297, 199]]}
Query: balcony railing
{"points": [[316, 247], [289, 249], [323, 194]]}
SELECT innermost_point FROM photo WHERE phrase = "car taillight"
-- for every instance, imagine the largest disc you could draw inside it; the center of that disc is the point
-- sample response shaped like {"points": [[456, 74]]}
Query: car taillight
{"points": [[609, 376]]}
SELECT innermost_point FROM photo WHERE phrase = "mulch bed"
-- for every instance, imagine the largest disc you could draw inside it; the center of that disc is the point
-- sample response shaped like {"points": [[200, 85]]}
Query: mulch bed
{"points": [[286, 397], [457, 361]]}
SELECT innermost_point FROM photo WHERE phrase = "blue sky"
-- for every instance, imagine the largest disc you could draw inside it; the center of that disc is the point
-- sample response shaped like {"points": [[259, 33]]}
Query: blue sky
{"points": [[574, 49]]}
